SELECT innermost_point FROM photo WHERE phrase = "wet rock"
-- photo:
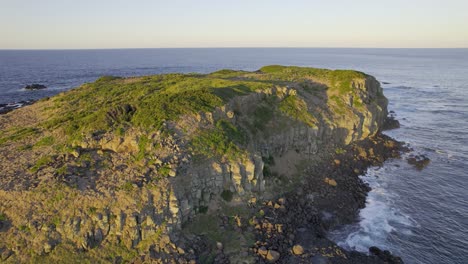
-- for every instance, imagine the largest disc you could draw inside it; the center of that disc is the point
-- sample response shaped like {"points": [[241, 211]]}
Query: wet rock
{"points": [[35, 86], [418, 161], [5, 108], [318, 259], [384, 255], [390, 123]]}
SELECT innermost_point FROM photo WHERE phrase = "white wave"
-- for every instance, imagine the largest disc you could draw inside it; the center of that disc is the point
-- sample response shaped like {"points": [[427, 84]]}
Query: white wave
{"points": [[378, 219]]}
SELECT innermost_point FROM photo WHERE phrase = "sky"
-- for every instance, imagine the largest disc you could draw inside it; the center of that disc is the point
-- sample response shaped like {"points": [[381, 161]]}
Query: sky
{"points": [[97, 24]]}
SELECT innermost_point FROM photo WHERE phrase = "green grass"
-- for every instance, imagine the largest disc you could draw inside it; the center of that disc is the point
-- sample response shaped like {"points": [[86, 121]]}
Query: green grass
{"points": [[3, 217], [45, 141], [40, 163], [296, 108], [62, 170], [127, 187], [142, 144], [222, 141], [19, 134], [164, 171]]}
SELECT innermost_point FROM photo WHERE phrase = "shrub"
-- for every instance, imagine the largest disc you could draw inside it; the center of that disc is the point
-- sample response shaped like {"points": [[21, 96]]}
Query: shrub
{"points": [[227, 195]]}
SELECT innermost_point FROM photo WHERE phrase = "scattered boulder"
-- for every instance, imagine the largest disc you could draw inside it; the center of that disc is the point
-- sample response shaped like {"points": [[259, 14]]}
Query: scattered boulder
{"points": [[35, 86], [219, 246], [418, 161], [385, 255], [272, 256], [262, 252], [230, 114], [330, 182], [390, 123], [172, 173], [298, 250]]}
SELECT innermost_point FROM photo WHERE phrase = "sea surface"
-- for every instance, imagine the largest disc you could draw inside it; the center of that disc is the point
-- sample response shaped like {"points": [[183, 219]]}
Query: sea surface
{"points": [[421, 216]]}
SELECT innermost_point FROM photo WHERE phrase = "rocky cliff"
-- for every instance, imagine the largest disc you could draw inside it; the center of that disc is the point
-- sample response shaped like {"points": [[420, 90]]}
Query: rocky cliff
{"points": [[159, 167]]}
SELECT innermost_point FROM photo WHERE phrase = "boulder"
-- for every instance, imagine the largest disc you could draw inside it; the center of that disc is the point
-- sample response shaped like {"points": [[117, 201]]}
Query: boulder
{"points": [[272, 256], [298, 250], [330, 182]]}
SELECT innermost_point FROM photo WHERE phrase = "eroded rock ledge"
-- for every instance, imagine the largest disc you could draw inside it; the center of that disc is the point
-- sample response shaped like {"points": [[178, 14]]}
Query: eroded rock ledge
{"points": [[190, 168]]}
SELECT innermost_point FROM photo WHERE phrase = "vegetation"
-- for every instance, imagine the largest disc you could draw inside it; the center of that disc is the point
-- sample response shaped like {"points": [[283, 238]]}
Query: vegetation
{"points": [[40, 163], [164, 171], [18, 134], [2, 217], [45, 141], [142, 144], [222, 141], [227, 195], [112, 105], [336, 79], [296, 108]]}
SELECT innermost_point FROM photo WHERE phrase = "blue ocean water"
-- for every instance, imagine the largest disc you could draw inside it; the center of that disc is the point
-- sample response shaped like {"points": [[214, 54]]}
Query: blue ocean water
{"points": [[420, 215]]}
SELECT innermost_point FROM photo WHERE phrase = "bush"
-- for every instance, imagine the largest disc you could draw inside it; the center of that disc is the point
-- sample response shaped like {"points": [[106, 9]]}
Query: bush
{"points": [[227, 195]]}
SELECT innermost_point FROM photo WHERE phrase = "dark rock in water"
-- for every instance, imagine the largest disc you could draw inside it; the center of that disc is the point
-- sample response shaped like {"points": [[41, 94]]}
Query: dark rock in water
{"points": [[35, 86], [5, 108], [418, 161], [385, 255], [385, 83], [391, 123]]}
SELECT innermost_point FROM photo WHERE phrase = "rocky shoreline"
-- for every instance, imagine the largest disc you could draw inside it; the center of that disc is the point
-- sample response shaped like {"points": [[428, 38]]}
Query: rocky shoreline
{"points": [[313, 209], [5, 108], [292, 228]]}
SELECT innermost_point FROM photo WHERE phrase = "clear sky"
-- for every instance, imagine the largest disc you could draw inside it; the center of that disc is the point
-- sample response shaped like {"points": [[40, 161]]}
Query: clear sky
{"points": [[63, 24]]}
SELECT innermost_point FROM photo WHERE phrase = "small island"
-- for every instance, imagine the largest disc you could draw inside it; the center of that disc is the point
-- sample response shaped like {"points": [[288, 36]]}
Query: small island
{"points": [[35, 86], [194, 168]]}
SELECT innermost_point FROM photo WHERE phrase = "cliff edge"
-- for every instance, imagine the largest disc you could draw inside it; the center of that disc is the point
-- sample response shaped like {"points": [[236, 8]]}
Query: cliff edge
{"points": [[183, 167]]}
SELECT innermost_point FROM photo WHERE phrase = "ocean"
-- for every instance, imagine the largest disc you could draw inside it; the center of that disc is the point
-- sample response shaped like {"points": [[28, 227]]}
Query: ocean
{"points": [[420, 215]]}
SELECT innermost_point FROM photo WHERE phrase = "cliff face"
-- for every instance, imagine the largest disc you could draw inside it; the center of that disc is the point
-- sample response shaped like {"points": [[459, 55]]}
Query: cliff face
{"points": [[114, 169]]}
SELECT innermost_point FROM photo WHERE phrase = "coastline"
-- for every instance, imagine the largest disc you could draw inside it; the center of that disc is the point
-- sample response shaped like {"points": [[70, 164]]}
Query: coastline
{"points": [[6, 108], [305, 224]]}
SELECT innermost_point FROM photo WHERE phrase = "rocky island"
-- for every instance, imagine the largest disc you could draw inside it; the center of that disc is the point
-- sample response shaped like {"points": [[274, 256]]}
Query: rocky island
{"points": [[35, 86], [227, 167]]}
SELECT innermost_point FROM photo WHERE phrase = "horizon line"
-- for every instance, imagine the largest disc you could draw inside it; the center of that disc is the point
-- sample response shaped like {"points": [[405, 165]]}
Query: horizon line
{"points": [[227, 47]]}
